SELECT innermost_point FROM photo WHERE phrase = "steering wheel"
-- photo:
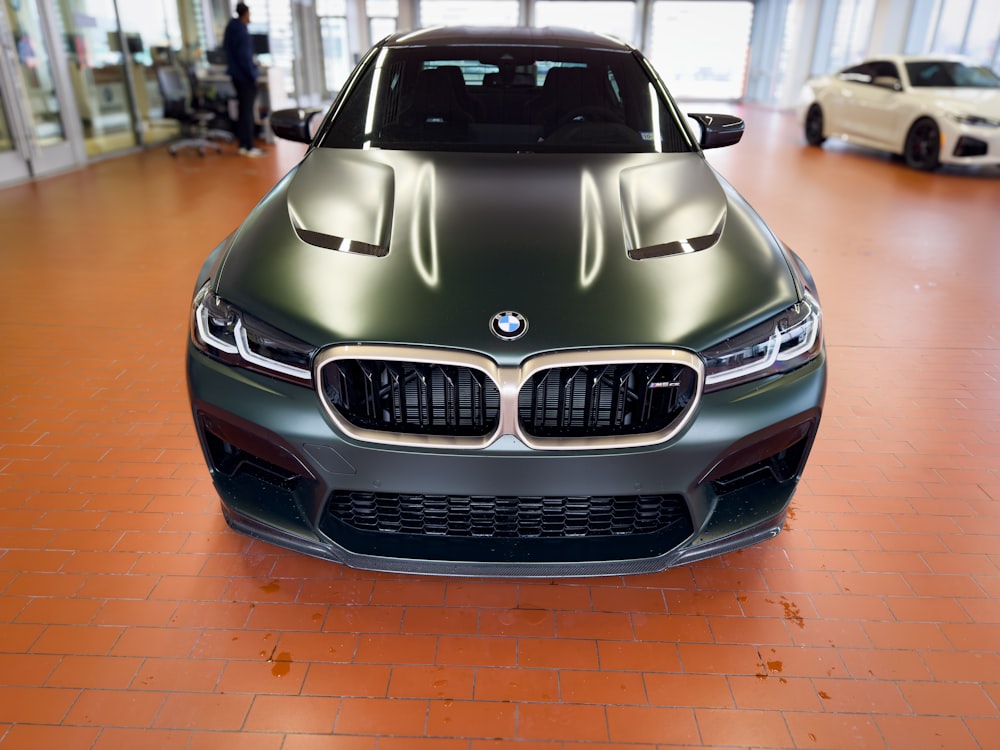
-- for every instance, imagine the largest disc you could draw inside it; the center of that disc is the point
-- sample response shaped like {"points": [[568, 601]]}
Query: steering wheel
{"points": [[575, 128], [590, 113]]}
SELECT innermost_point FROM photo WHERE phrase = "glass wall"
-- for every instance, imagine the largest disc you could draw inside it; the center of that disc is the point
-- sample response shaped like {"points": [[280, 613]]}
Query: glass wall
{"points": [[776, 35], [35, 73], [37, 129], [152, 38], [382, 18], [982, 42], [273, 19], [112, 54], [337, 60], [953, 20], [701, 48], [6, 142], [966, 27], [469, 12], [614, 17], [851, 33]]}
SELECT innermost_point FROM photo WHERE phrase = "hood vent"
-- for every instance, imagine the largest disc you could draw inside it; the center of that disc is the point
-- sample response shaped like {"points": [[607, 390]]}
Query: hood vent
{"points": [[340, 244], [674, 206], [343, 201], [678, 247]]}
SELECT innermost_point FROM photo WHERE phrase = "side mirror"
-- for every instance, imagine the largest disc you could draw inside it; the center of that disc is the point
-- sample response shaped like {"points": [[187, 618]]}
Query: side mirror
{"points": [[294, 124], [888, 82], [718, 130]]}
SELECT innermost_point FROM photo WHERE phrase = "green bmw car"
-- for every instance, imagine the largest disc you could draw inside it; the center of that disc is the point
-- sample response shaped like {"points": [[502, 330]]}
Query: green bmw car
{"points": [[504, 319]]}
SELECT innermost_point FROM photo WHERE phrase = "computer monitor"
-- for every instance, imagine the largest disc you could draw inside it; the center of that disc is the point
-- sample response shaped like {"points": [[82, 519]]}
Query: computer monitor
{"points": [[261, 44], [133, 41]]}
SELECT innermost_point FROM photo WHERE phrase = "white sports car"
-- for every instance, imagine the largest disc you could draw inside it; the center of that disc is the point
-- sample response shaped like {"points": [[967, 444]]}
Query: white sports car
{"points": [[929, 110]]}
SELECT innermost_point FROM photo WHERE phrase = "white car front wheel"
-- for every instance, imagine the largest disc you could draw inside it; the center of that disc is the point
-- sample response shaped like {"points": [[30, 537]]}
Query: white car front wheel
{"points": [[923, 145]]}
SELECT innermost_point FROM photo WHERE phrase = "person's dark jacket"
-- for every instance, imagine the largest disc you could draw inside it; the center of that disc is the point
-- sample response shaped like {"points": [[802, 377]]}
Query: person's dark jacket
{"points": [[238, 46]]}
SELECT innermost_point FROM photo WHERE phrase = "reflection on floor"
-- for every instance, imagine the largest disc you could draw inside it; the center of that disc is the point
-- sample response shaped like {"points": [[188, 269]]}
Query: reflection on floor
{"points": [[157, 131], [130, 616]]}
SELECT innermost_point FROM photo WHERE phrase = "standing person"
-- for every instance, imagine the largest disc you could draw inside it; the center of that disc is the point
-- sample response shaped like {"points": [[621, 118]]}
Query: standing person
{"points": [[243, 70]]}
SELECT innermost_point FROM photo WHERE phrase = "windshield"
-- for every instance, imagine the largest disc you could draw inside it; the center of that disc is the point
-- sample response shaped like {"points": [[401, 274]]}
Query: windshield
{"points": [[513, 98], [950, 74]]}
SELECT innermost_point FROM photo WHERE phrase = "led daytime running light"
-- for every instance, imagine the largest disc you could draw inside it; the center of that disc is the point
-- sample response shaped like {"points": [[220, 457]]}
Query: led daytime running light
{"points": [[812, 324], [210, 311], [808, 328], [205, 332], [243, 345], [773, 349]]}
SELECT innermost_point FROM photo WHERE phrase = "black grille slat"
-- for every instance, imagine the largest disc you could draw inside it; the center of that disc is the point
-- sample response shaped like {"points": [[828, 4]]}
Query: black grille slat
{"points": [[619, 399], [605, 399], [413, 397], [507, 517]]}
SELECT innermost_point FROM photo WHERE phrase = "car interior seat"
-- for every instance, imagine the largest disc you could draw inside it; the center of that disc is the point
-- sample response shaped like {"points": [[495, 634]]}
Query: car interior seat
{"points": [[439, 108], [566, 90]]}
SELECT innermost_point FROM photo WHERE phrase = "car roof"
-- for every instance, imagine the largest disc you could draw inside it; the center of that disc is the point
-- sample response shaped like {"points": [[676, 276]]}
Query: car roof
{"points": [[550, 36], [917, 58]]}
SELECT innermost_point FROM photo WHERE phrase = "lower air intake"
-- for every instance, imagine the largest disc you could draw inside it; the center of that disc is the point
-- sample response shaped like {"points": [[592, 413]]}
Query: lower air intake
{"points": [[508, 517]]}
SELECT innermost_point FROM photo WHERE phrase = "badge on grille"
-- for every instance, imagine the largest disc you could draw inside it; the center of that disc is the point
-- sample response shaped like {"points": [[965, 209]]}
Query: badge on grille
{"points": [[508, 325]]}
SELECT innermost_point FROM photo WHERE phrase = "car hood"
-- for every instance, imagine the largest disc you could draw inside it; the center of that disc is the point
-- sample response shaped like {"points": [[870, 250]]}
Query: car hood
{"points": [[441, 242], [979, 101]]}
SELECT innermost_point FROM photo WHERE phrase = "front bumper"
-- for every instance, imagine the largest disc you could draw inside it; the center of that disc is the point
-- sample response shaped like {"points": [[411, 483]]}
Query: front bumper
{"points": [[276, 461], [969, 144]]}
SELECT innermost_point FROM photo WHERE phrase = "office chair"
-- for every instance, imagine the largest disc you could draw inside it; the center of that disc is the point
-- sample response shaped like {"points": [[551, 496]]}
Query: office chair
{"points": [[181, 103]]}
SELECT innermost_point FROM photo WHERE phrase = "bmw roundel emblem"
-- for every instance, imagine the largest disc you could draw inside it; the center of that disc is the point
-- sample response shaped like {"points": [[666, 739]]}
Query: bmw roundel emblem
{"points": [[508, 325]]}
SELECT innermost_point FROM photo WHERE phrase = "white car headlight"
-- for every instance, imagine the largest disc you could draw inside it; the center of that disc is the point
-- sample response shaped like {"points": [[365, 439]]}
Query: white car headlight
{"points": [[974, 120], [785, 342], [221, 330]]}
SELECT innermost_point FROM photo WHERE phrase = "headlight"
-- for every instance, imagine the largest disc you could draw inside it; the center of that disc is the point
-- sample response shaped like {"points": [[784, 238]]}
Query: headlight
{"points": [[783, 343], [222, 331], [976, 120]]}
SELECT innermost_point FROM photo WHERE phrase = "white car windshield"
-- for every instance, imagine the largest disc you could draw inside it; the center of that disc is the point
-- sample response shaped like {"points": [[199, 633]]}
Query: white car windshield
{"points": [[950, 74]]}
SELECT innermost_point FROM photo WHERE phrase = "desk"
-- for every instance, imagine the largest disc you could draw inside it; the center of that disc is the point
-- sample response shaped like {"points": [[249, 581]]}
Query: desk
{"points": [[220, 96]]}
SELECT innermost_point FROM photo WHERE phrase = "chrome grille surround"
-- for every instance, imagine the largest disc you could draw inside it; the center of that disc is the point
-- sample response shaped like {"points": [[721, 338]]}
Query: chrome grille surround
{"points": [[509, 381]]}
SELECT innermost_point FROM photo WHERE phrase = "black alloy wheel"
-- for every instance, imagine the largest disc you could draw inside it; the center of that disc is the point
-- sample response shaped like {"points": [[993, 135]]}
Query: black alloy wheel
{"points": [[814, 126], [923, 145]]}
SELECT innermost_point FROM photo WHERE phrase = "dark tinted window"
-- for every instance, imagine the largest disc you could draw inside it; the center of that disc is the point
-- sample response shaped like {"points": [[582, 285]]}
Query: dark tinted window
{"points": [[884, 69], [869, 71], [950, 74], [506, 98], [858, 73]]}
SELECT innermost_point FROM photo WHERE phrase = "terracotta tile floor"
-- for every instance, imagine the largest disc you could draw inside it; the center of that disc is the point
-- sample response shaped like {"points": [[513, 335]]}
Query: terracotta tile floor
{"points": [[131, 617]]}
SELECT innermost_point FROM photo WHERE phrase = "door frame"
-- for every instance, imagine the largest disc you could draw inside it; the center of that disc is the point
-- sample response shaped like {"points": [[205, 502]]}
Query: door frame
{"points": [[29, 158]]}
